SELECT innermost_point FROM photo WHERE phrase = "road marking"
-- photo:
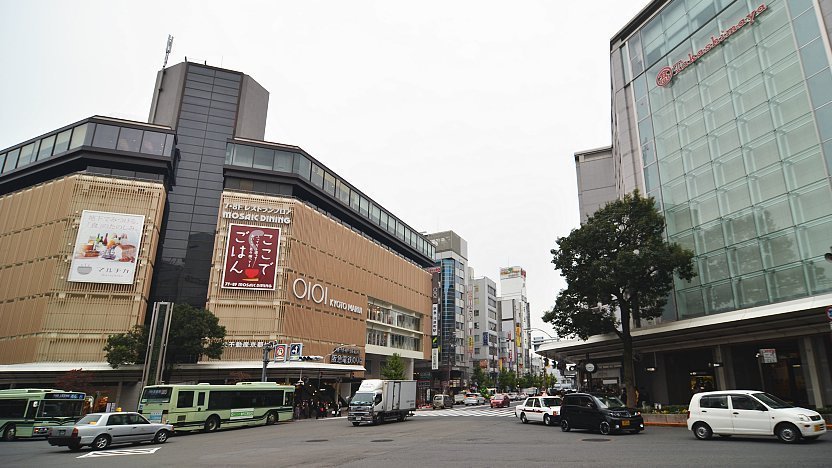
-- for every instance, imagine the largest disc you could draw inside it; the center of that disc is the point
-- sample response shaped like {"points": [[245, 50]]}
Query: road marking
{"points": [[115, 453], [487, 412]]}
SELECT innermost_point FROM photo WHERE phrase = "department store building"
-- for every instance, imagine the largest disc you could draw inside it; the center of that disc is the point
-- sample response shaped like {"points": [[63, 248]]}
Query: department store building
{"points": [[103, 218], [722, 112]]}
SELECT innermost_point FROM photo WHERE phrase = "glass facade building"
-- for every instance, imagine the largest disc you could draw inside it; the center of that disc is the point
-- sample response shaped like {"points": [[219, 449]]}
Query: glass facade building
{"points": [[736, 148], [722, 112]]}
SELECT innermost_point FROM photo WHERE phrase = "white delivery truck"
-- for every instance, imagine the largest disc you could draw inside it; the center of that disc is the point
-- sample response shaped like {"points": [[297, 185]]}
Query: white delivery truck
{"points": [[377, 401]]}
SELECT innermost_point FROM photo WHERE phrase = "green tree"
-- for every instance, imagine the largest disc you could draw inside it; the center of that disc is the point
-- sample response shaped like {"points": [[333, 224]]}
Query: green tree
{"points": [[194, 333], [126, 348], [393, 368], [617, 261], [507, 379]]}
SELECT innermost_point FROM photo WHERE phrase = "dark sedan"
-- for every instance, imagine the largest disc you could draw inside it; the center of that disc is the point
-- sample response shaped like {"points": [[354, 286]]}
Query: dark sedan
{"points": [[601, 413]]}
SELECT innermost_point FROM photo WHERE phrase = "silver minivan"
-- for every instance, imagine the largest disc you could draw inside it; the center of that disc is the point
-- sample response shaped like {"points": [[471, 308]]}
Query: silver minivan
{"points": [[442, 401]]}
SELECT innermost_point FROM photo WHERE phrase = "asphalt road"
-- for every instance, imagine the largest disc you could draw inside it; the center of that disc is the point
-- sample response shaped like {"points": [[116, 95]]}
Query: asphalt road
{"points": [[457, 440]]}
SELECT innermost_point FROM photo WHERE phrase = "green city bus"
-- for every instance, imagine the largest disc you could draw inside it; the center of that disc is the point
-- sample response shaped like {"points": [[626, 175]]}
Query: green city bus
{"points": [[208, 407], [29, 412]]}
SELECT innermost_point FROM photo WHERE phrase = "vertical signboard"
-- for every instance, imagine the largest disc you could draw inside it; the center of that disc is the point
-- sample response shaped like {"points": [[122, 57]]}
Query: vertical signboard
{"points": [[434, 359], [106, 248], [250, 257]]}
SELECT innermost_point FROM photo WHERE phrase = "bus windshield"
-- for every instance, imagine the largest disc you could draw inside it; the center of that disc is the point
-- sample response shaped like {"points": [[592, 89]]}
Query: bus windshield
{"points": [[156, 395], [363, 398], [60, 409]]}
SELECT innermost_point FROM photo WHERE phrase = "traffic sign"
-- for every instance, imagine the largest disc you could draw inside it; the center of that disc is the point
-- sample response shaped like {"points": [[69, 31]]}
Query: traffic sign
{"points": [[280, 353], [829, 314], [295, 351]]}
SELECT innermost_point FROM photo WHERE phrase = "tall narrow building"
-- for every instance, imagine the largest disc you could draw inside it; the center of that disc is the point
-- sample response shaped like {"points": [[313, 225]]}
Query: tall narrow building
{"points": [[515, 318]]}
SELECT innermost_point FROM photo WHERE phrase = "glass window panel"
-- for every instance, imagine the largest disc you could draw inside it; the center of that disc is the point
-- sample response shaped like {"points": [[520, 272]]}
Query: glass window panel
{"points": [[342, 191], [797, 136], [672, 167], [719, 112], [640, 87], [705, 209], [710, 237], [635, 53], [679, 29], [724, 140], [385, 218], [746, 258], [642, 108], [354, 204], [651, 177], [46, 146], [685, 240], [243, 155], [696, 154], [79, 134], [688, 104], [750, 95], [645, 131], [229, 152], [665, 119], [827, 151], [317, 176], [781, 249], [734, 197], [812, 202], [744, 67], [282, 161], [823, 116], [774, 215], [329, 183], [761, 153], [667, 143], [400, 230], [767, 184], [719, 297], [692, 129], [678, 219], [783, 75], [729, 168], [11, 160], [805, 169], [752, 291], [788, 283], [813, 239], [62, 141], [790, 105], [820, 88], [301, 166], [699, 13], [701, 181], [820, 276], [170, 141], [129, 139], [797, 7], [263, 158], [740, 227], [26, 155], [105, 136], [391, 225], [648, 153], [776, 17], [2, 161], [814, 58], [674, 193], [375, 214], [153, 143], [806, 27], [754, 124], [364, 206], [655, 50], [690, 303]]}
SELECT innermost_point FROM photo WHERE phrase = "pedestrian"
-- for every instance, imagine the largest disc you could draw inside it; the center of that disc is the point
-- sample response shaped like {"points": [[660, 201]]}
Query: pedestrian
{"points": [[624, 395]]}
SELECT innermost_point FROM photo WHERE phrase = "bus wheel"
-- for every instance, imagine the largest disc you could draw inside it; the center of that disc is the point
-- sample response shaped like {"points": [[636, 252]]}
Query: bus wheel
{"points": [[271, 418], [212, 424], [9, 433]]}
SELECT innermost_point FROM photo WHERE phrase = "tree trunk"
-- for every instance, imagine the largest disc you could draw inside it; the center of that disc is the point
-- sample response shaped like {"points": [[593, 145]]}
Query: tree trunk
{"points": [[627, 356]]}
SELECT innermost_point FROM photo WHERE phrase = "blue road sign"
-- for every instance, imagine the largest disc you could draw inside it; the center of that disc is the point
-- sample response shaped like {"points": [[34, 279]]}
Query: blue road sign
{"points": [[295, 351]]}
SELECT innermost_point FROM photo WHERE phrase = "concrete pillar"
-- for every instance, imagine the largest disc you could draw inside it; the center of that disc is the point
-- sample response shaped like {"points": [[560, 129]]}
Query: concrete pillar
{"points": [[822, 360], [810, 368], [725, 373], [660, 393]]}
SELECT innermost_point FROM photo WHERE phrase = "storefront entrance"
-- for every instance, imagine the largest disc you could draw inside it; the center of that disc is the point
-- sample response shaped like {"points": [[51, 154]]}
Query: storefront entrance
{"points": [[774, 367]]}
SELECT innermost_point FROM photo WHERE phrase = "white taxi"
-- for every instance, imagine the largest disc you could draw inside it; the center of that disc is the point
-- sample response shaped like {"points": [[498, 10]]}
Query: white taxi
{"points": [[545, 409]]}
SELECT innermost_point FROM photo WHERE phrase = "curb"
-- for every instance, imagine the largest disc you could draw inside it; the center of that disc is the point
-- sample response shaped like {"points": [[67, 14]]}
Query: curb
{"points": [[661, 424]]}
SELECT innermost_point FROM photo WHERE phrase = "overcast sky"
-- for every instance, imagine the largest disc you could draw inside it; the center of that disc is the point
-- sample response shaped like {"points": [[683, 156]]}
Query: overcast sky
{"points": [[454, 115]]}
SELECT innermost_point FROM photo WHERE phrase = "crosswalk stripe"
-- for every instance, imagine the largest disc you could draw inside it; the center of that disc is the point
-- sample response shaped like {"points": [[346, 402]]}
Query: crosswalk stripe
{"points": [[488, 412], [115, 453]]}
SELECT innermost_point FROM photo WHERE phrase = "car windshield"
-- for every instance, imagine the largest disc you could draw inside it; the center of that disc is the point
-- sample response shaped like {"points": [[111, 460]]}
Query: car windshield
{"points": [[609, 402], [772, 401], [90, 419], [363, 398], [472, 395], [551, 401]]}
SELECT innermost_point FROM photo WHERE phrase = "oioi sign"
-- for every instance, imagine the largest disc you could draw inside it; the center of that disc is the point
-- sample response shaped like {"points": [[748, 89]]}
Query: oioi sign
{"points": [[666, 74]]}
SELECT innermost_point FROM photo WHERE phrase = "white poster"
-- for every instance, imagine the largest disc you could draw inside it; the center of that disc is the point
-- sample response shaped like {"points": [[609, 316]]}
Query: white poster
{"points": [[106, 248], [434, 359]]}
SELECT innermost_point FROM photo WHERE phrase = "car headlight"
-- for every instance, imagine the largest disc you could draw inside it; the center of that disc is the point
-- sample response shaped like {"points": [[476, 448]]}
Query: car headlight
{"points": [[803, 417]]}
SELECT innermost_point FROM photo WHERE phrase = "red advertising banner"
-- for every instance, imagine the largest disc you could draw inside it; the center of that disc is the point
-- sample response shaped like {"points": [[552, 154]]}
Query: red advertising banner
{"points": [[251, 257]]}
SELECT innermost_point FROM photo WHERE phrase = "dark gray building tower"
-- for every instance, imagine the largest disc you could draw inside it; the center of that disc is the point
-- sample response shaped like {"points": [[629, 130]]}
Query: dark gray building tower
{"points": [[206, 106]]}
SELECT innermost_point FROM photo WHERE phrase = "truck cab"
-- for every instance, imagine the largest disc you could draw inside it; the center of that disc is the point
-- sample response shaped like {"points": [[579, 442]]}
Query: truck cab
{"points": [[377, 401]]}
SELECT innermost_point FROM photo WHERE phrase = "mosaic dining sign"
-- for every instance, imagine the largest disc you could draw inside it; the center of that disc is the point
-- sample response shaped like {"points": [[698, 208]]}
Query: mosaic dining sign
{"points": [[251, 257]]}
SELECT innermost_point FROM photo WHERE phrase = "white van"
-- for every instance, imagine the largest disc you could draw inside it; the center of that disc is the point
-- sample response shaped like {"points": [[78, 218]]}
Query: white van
{"points": [[751, 412]]}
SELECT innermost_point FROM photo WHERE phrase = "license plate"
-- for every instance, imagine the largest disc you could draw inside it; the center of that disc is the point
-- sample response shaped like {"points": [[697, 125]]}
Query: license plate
{"points": [[625, 423], [818, 428], [61, 431]]}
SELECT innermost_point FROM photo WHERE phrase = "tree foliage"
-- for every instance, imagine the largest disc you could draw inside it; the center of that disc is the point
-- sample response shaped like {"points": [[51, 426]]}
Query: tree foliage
{"points": [[618, 261], [393, 368], [75, 380], [194, 332]]}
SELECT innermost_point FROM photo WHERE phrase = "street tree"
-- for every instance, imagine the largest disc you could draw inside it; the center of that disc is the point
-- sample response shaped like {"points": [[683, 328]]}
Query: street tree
{"points": [[194, 333], [618, 261], [76, 380], [393, 368]]}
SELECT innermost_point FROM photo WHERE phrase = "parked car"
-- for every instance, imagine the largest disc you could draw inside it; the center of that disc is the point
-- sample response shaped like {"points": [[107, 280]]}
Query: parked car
{"points": [[602, 413], [474, 399], [514, 396], [442, 401], [459, 398], [751, 412], [500, 400], [99, 430], [540, 409]]}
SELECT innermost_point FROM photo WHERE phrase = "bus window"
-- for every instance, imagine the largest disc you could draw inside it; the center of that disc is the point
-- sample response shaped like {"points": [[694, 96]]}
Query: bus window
{"points": [[60, 408], [156, 395], [200, 399], [185, 399], [12, 408]]}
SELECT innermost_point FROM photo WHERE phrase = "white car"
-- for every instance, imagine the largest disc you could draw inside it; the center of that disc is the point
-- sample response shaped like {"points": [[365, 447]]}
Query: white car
{"points": [[545, 409], [99, 430], [751, 412], [474, 399]]}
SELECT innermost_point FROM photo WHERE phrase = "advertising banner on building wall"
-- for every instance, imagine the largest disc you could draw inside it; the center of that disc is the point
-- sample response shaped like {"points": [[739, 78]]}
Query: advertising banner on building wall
{"points": [[106, 248], [250, 257]]}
